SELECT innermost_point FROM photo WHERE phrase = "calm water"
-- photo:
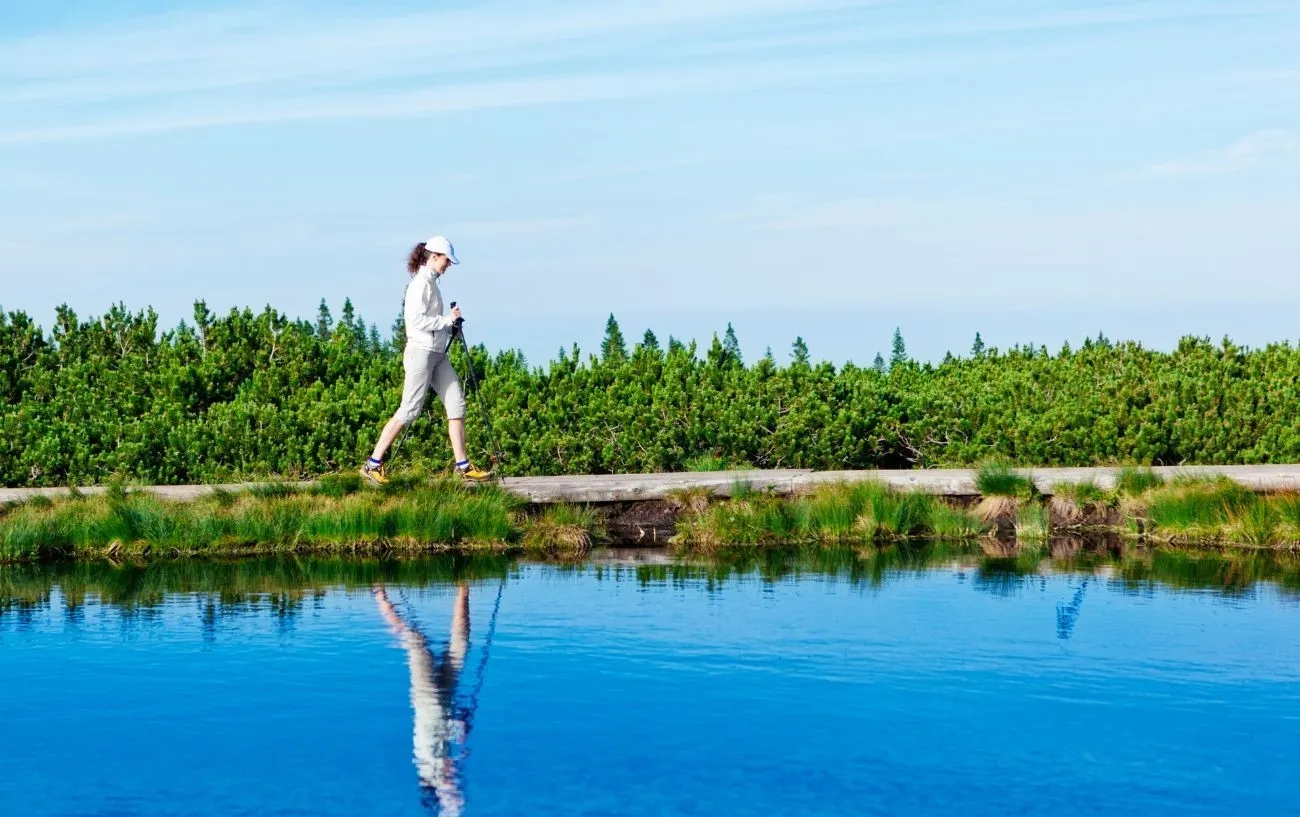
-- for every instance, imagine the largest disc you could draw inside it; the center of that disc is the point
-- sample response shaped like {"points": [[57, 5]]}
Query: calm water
{"points": [[908, 684]]}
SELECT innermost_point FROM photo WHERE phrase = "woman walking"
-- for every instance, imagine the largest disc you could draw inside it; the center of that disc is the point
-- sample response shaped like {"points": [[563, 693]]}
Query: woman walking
{"points": [[428, 337]]}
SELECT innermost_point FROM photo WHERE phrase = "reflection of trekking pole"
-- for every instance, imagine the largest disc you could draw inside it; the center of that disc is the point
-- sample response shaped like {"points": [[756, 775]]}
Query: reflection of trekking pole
{"points": [[459, 331]]}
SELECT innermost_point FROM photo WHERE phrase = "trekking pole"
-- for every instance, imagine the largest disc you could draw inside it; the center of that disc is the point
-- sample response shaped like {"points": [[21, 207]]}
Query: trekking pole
{"points": [[459, 331]]}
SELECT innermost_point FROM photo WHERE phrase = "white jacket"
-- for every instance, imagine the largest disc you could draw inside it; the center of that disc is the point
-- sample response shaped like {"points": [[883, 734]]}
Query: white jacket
{"points": [[426, 325]]}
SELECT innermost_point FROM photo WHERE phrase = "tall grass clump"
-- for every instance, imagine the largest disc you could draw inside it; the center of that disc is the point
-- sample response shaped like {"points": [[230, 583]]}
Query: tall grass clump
{"points": [[1190, 509], [1003, 490], [564, 531], [1287, 506], [1080, 504], [953, 523], [1000, 478], [1135, 481], [751, 521], [1082, 493], [1254, 524], [1032, 523], [888, 514], [706, 463]]}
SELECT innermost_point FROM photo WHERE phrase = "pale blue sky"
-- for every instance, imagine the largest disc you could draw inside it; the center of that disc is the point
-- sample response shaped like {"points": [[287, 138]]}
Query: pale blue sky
{"points": [[1037, 171]]}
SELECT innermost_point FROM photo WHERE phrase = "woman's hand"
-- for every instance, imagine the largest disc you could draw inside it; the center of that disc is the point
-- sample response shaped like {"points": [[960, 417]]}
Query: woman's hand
{"points": [[455, 313]]}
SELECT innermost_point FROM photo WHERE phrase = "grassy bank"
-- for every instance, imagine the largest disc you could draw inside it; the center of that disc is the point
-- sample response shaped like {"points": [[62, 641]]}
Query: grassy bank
{"points": [[836, 514], [1141, 505], [334, 514], [339, 514]]}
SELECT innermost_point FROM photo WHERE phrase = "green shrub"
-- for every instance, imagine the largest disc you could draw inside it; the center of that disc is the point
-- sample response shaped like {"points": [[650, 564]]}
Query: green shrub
{"points": [[248, 395]]}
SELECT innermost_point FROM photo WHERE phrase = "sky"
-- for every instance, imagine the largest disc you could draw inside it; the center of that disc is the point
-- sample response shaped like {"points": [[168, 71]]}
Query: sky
{"points": [[1039, 172]]}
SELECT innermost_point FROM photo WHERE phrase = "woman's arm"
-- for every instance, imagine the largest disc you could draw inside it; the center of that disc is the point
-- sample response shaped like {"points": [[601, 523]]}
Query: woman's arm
{"points": [[418, 297]]}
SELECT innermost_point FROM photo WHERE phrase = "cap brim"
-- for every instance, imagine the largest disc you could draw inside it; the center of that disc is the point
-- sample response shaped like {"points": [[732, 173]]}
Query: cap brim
{"points": [[454, 259]]}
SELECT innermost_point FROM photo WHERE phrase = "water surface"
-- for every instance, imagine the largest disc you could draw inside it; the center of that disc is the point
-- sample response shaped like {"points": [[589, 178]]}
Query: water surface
{"points": [[928, 682]]}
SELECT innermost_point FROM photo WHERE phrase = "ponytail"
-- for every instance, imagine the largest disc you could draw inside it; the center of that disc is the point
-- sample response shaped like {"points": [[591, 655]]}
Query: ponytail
{"points": [[416, 259]]}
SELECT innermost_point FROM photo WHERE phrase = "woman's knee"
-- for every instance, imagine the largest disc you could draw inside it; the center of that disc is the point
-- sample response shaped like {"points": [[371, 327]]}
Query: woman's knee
{"points": [[455, 402], [406, 414]]}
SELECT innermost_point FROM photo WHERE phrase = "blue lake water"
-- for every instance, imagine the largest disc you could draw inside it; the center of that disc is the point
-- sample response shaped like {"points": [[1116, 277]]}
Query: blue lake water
{"points": [[958, 685]]}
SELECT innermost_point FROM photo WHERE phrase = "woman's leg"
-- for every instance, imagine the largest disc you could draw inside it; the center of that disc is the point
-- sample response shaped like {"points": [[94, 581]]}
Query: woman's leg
{"points": [[456, 433], [418, 366], [446, 384], [391, 429]]}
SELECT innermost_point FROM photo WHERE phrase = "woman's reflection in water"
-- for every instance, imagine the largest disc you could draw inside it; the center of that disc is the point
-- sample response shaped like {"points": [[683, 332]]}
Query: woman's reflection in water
{"points": [[440, 724]]}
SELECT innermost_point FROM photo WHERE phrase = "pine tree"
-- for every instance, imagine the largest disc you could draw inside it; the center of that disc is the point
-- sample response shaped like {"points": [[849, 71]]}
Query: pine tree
{"points": [[399, 330], [732, 346], [799, 352], [202, 323], [898, 354], [977, 348], [324, 321], [878, 364], [350, 321], [649, 341], [613, 349]]}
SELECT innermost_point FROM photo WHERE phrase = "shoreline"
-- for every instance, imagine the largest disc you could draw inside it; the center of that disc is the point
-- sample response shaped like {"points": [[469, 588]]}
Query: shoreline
{"points": [[1233, 507]]}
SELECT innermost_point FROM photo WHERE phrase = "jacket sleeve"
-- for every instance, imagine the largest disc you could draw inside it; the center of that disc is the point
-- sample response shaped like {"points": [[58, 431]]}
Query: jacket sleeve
{"points": [[416, 313]]}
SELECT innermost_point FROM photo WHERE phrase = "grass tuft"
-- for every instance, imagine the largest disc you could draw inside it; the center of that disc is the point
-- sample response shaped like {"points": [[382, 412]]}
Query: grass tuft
{"points": [[953, 523], [1255, 523], [564, 531], [1287, 506], [1082, 493], [996, 509], [706, 463], [1000, 478], [1032, 523], [1193, 508], [1065, 512], [1136, 481]]}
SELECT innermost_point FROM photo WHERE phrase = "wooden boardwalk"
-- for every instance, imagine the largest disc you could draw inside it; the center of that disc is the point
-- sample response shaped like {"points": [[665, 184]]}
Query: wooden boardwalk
{"points": [[607, 488]]}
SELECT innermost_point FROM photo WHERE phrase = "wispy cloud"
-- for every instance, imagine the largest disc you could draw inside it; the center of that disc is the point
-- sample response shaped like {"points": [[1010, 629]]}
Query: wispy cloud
{"points": [[454, 98], [248, 66], [255, 65], [1266, 148], [249, 47]]}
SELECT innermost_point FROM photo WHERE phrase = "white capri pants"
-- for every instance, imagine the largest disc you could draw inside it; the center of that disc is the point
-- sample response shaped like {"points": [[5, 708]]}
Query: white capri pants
{"points": [[424, 369]]}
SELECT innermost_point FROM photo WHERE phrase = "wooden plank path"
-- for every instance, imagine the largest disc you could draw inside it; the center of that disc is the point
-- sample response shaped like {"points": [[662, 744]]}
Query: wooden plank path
{"points": [[607, 488]]}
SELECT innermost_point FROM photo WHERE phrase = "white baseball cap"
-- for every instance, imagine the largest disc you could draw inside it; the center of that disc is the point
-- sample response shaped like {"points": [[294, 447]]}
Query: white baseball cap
{"points": [[441, 245]]}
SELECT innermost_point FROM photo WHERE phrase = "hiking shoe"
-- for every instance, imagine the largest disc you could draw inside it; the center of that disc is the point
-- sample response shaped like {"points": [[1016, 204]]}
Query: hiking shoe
{"points": [[376, 475], [473, 473]]}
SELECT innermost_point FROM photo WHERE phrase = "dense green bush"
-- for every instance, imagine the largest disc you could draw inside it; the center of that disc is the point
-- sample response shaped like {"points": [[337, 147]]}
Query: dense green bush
{"points": [[245, 394]]}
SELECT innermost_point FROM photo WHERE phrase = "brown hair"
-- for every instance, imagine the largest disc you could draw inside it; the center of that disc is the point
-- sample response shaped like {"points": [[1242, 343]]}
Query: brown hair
{"points": [[416, 259]]}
